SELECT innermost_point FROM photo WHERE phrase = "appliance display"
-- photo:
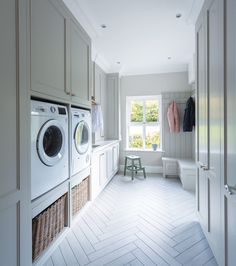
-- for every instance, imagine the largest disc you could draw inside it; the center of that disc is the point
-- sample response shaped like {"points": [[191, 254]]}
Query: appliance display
{"points": [[49, 146], [81, 139]]}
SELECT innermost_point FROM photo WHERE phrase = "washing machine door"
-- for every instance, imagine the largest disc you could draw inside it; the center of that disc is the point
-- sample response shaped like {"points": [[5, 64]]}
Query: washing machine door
{"points": [[51, 142], [81, 137]]}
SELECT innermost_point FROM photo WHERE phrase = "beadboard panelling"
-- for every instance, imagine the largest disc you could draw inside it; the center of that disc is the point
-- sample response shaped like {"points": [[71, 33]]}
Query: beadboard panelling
{"points": [[179, 145]]}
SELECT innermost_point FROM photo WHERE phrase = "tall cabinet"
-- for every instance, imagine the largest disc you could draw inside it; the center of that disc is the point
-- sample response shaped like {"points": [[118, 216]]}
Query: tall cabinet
{"points": [[229, 193], [113, 106], [216, 126], [15, 237]]}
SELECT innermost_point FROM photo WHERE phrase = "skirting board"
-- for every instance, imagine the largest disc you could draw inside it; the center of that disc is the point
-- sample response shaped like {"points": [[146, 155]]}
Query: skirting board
{"points": [[149, 169]]}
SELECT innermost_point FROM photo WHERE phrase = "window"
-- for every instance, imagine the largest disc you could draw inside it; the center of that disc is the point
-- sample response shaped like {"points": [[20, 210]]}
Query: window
{"points": [[143, 122]]}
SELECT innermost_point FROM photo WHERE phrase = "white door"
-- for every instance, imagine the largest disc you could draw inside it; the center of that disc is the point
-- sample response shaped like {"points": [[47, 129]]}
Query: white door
{"points": [[202, 121], [230, 119], [215, 83]]}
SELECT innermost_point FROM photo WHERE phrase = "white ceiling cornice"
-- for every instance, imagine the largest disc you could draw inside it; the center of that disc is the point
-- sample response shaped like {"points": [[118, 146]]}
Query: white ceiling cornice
{"points": [[79, 14], [194, 12]]}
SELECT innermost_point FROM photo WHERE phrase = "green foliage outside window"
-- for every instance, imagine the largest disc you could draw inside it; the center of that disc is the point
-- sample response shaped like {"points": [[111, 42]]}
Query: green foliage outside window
{"points": [[136, 111], [151, 111], [153, 139], [136, 141]]}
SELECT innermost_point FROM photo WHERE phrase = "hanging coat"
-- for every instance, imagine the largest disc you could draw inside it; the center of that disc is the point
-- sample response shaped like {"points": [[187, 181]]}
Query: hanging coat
{"points": [[189, 115], [173, 117]]}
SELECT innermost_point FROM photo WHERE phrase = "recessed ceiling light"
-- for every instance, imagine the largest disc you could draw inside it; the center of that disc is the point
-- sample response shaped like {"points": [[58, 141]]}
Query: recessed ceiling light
{"points": [[178, 15], [103, 26]]}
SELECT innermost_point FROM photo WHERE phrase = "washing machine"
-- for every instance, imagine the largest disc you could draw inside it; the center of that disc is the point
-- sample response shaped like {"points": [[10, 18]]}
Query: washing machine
{"points": [[81, 139], [49, 146]]}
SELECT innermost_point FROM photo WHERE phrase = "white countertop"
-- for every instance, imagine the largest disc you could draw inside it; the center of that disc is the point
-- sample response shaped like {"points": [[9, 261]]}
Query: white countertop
{"points": [[103, 144]]}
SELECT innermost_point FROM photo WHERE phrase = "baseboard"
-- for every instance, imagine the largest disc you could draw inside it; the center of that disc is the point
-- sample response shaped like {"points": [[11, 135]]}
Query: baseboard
{"points": [[149, 169]]}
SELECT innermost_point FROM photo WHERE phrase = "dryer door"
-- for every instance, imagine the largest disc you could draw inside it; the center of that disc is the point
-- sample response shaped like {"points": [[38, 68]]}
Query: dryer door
{"points": [[51, 142], [82, 137]]}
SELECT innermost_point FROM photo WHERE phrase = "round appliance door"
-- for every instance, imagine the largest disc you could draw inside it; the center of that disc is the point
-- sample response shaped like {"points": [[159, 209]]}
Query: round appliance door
{"points": [[81, 137], [51, 142]]}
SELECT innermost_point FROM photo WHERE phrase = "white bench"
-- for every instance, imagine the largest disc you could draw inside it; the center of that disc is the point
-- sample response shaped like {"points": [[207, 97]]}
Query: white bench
{"points": [[184, 168]]}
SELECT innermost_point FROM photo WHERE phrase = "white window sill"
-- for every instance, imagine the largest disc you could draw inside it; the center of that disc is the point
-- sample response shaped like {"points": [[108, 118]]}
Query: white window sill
{"points": [[143, 150]]}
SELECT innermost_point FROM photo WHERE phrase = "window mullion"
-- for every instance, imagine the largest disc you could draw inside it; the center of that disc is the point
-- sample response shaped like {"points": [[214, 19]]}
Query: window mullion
{"points": [[144, 124]]}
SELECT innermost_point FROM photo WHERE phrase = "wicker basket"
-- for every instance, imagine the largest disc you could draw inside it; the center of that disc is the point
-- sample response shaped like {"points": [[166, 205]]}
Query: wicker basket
{"points": [[80, 195], [47, 225]]}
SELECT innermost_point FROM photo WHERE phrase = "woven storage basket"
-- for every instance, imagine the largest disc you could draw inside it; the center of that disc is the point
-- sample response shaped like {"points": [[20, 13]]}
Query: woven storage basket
{"points": [[80, 195], [47, 225]]}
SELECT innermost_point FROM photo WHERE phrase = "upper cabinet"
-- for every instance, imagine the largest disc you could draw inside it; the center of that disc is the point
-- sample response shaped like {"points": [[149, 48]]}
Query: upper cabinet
{"points": [[98, 84], [80, 64], [49, 24], [113, 106], [60, 54]]}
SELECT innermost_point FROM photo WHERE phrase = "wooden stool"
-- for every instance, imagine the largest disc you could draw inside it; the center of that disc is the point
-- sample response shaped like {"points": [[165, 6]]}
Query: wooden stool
{"points": [[134, 166]]}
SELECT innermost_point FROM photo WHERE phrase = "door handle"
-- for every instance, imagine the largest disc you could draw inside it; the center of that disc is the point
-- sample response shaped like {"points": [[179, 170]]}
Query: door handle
{"points": [[203, 166], [230, 189]]}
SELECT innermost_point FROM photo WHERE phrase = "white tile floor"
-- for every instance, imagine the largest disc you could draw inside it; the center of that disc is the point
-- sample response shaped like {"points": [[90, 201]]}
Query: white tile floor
{"points": [[140, 222]]}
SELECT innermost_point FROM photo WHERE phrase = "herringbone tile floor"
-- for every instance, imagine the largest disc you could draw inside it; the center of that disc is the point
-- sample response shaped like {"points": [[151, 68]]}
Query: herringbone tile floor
{"points": [[144, 222]]}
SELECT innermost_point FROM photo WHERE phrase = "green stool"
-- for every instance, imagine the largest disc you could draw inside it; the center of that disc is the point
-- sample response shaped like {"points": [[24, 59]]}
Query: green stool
{"points": [[134, 166]]}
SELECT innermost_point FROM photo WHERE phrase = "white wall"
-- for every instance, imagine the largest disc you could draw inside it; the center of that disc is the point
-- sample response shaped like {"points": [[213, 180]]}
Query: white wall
{"points": [[172, 86]]}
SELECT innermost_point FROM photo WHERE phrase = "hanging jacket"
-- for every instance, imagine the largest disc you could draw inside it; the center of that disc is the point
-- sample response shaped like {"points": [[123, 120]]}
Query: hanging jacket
{"points": [[189, 115], [173, 117], [97, 119]]}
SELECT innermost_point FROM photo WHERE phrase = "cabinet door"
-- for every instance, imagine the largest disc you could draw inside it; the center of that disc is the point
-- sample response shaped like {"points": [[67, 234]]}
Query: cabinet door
{"points": [[95, 182], [97, 84], [80, 65], [215, 83], [15, 218], [109, 163], [102, 169], [49, 26], [230, 179], [115, 158], [202, 120], [113, 106]]}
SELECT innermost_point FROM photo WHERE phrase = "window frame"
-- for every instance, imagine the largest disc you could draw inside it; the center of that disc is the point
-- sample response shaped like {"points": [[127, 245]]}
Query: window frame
{"points": [[144, 124]]}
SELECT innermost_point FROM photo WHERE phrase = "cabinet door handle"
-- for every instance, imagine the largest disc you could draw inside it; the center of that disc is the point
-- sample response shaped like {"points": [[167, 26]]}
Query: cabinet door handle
{"points": [[230, 188], [202, 166]]}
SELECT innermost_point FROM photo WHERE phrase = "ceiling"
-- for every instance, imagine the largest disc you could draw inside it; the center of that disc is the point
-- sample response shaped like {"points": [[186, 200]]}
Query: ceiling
{"points": [[141, 36]]}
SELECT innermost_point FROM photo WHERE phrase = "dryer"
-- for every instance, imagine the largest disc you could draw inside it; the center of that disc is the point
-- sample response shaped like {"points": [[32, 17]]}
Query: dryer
{"points": [[49, 146], [81, 136]]}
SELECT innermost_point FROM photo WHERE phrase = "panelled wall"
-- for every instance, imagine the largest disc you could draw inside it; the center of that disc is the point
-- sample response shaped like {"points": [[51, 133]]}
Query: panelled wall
{"points": [[171, 86], [179, 145]]}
